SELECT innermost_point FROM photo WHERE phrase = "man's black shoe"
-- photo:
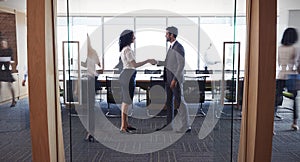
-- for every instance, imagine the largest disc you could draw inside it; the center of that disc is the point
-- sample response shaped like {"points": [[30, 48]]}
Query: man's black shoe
{"points": [[184, 130]]}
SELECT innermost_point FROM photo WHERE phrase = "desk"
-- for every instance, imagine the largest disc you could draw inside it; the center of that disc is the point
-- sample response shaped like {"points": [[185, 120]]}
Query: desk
{"points": [[146, 77], [144, 81]]}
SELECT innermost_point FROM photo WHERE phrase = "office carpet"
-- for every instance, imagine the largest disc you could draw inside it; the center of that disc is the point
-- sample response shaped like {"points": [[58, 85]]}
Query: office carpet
{"points": [[15, 143]]}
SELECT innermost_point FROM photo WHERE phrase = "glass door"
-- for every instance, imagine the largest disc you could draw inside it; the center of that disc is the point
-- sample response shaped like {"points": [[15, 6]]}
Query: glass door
{"points": [[213, 38]]}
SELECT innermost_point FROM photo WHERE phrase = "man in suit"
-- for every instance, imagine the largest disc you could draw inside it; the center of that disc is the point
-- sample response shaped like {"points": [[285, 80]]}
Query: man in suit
{"points": [[173, 78]]}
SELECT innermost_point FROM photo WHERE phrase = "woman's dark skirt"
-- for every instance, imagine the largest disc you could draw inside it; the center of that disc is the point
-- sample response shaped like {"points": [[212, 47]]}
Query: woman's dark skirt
{"points": [[127, 80]]}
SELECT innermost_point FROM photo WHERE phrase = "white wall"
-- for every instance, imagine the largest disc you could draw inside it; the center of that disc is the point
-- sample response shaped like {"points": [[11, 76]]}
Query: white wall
{"points": [[22, 50], [294, 21], [283, 11], [184, 7]]}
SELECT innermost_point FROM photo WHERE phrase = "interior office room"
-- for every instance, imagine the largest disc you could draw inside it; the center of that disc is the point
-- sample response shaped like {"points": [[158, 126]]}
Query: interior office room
{"points": [[231, 68]]}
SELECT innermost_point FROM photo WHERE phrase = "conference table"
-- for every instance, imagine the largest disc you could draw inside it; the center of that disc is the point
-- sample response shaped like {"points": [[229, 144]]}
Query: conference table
{"points": [[144, 80]]}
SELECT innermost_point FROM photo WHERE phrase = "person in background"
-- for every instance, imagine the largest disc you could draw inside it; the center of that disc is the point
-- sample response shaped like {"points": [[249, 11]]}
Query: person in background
{"points": [[288, 58], [92, 60], [127, 76], [174, 78], [6, 58]]}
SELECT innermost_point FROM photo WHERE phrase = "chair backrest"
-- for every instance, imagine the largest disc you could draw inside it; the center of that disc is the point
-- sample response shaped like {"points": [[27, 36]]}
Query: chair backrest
{"points": [[152, 71], [203, 71], [194, 89], [157, 93], [113, 90], [98, 85], [230, 86]]}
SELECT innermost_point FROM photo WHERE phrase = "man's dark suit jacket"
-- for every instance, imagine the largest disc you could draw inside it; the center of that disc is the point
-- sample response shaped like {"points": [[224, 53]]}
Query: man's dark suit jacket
{"points": [[174, 64]]}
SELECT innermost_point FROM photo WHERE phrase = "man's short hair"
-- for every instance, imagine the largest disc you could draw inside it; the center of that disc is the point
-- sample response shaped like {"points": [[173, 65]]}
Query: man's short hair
{"points": [[173, 30]]}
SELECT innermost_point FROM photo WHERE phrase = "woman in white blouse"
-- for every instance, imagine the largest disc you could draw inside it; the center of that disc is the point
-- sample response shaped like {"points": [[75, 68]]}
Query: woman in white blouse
{"points": [[127, 76], [288, 59]]}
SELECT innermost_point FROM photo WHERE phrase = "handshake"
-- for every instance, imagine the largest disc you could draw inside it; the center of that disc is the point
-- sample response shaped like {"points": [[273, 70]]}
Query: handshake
{"points": [[152, 61]]}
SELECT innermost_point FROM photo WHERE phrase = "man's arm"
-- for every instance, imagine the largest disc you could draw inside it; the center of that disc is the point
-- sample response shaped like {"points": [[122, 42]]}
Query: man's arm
{"points": [[180, 63]]}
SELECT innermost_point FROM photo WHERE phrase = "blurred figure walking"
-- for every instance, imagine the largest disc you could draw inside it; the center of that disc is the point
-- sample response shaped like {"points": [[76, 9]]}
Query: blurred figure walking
{"points": [[6, 58]]}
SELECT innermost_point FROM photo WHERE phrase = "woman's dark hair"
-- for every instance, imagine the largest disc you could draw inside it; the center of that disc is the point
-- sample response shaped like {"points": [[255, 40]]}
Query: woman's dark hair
{"points": [[289, 37], [125, 39]]}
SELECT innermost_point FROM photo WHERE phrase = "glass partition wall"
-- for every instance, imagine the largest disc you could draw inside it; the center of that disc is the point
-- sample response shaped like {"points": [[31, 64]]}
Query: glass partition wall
{"points": [[214, 44], [286, 118]]}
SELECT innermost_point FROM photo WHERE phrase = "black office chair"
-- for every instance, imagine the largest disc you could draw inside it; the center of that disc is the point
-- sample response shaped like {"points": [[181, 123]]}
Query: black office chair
{"points": [[98, 89], [204, 71], [61, 95], [152, 71], [194, 91], [147, 72], [230, 90], [113, 94], [156, 97]]}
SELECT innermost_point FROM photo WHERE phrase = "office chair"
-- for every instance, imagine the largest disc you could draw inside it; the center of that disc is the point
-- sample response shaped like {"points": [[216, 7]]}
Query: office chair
{"points": [[156, 97], [146, 71], [194, 91], [113, 94]]}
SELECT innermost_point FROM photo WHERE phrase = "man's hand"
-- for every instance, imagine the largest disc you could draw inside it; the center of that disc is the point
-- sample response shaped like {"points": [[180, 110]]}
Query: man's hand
{"points": [[173, 84], [23, 83]]}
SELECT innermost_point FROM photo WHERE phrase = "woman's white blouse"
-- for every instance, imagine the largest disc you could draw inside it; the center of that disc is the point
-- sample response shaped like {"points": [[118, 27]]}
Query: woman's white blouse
{"points": [[288, 59], [127, 55]]}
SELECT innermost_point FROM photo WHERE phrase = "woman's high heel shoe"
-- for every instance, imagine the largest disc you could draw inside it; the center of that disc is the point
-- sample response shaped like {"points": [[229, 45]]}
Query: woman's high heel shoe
{"points": [[13, 104], [295, 127], [90, 138]]}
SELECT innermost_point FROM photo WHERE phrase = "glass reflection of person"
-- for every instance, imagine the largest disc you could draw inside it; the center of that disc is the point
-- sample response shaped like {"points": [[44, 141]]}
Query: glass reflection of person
{"points": [[91, 61], [288, 58], [6, 57], [127, 76]]}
